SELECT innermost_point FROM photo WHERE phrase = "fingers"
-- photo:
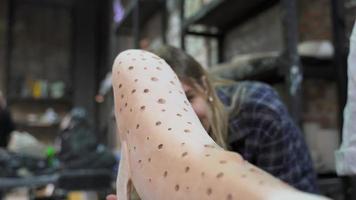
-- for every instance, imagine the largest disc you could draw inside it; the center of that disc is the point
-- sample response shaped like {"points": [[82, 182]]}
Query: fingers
{"points": [[111, 197]]}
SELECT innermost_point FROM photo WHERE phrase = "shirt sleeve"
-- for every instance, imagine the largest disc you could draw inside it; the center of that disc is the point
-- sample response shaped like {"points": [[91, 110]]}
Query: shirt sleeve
{"points": [[346, 155], [273, 142]]}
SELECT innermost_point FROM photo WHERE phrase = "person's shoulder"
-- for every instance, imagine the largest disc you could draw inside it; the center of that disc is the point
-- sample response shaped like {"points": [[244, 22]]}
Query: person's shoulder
{"points": [[249, 88], [249, 91], [256, 98], [253, 101]]}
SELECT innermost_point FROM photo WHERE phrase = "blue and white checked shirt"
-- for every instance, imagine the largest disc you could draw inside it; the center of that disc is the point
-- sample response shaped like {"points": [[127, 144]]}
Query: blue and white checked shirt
{"points": [[262, 131]]}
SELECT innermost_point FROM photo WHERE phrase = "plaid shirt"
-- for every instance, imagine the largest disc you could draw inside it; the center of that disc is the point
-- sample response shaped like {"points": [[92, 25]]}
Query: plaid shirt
{"points": [[261, 130]]}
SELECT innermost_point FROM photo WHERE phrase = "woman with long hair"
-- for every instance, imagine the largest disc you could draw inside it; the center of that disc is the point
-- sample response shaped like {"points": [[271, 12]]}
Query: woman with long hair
{"points": [[246, 117]]}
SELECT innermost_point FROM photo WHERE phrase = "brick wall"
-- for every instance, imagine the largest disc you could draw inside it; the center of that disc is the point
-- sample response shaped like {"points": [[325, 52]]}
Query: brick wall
{"points": [[260, 34], [314, 20]]}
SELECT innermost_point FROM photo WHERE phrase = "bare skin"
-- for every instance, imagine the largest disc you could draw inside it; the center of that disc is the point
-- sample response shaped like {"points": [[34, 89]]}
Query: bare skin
{"points": [[198, 100]]}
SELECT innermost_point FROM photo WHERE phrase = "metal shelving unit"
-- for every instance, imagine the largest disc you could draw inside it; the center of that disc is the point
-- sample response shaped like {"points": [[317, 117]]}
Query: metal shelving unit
{"points": [[224, 15], [221, 16], [29, 105]]}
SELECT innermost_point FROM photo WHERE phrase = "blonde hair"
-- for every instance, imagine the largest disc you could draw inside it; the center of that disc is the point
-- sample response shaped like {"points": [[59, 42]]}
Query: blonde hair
{"points": [[186, 67]]}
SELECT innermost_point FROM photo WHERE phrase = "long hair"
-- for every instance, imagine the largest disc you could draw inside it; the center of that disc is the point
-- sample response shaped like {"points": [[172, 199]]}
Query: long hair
{"points": [[187, 68]]}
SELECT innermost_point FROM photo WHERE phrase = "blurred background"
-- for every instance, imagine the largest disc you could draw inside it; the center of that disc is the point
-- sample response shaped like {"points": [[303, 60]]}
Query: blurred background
{"points": [[55, 63]]}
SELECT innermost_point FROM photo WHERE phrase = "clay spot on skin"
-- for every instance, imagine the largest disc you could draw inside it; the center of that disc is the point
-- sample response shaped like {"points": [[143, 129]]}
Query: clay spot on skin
{"points": [[158, 123], [137, 126], [134, 147], [252, 170], [207, 155], [146, 90], [145, 68], [163, 110], [136, 80], [261, 182], [209, 191], [122, 96], [229, 197], [222, 161], [172, 82], [187, 169], [120, 85], [131, 68], [202, 174], [158, 68], [154, 79], [143, 107], [179, 115], [183, 144], [169, 129], [176, 188], [165, 174], [186, 131], [130, 109], [161, 101], [190, 123], [160, 146], [220, 175], [149, 159], [170, 92], [185, 109], [184, 154], [147, 138], [209, 146], [126, 104], [133, 91], [139, 161], [243, 176]]}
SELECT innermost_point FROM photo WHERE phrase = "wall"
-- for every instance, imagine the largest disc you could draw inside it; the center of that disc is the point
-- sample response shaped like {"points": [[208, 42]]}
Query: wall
{"points": [[41, 49], [263, 33], [81, 76], [314, 20], [152, 31], [3, 14]]}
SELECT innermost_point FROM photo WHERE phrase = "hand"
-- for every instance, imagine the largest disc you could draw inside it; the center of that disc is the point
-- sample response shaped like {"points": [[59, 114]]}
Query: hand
{"points": [[111, 197]]}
